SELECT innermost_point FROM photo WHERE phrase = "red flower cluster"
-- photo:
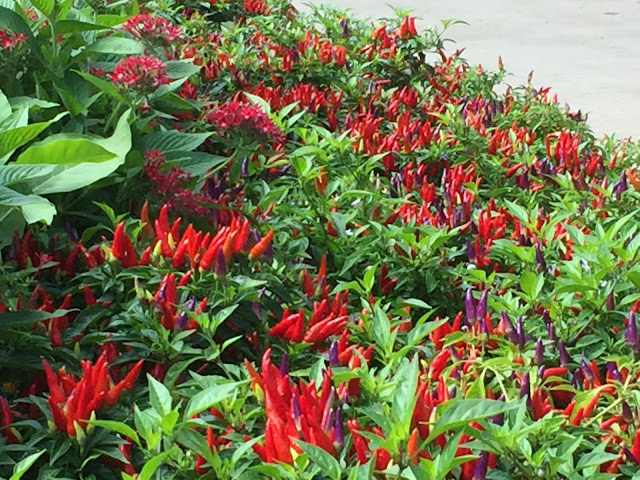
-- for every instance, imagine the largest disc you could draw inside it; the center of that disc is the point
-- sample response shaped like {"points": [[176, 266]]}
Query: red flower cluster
{"points": [[249, 119], [72, 401], [152, 28], [171, 182], [9, 41], [142, 73]]}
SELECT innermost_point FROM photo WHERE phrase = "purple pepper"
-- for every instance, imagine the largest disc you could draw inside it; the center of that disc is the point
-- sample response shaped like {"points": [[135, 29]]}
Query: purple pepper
{"points": [[586, 369], [614, 373], [577, 378], [220, 268], [481, 307], [334, 360], [631, 333], [538, 356], [469, 306], [338, 429], [564, 355], [520, 332], [284, 364], [480, 468], [611, 302], [525, 389]]}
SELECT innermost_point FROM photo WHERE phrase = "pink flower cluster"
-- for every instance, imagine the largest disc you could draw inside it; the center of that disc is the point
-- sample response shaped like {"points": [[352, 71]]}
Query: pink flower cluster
{"points": [[152, 28], [170, 184], [249, 119], [142, 73], [8, 41]]}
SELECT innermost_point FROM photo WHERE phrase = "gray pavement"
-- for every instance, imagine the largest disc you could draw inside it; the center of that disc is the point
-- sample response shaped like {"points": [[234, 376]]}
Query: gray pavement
{"points": [[587, 51]]}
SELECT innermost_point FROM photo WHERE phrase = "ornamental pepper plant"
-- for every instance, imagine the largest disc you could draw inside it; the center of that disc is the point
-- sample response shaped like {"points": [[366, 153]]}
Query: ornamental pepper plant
{"points": [[275, 244]]}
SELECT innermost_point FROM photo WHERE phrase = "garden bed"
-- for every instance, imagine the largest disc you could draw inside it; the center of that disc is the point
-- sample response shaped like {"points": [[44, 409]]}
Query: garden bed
{"points": [[239, 242]]}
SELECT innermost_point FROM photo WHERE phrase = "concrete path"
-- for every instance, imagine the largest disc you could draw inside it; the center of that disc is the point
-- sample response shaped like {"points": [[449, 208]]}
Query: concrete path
{"points": [[588, 51]]}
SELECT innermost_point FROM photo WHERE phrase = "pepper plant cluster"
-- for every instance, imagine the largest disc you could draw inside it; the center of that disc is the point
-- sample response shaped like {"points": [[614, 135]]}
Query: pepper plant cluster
{"points": [[275, 244]]}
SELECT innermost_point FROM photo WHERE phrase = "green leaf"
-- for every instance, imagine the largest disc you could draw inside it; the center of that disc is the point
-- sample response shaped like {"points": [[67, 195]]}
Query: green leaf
{"points": [[64, 27], [404, 397], [27, 317], [5, 107], [12, 139], [159, 397], [209, 397], [103, 85], [118, 427], [369, 277], [116, 46], [173, 141], [531, 284], [327, 463], [381, 327], [110, 20], [63, 150], [152, 465], [45, 6], [25, 464], [14, 174], [181, 68], [30, 103], [457, 413], [83, 159], [34, 208]]}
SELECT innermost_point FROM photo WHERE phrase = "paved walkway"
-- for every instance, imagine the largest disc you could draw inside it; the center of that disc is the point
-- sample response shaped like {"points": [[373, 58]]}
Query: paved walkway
{"points": [[588, 51]]}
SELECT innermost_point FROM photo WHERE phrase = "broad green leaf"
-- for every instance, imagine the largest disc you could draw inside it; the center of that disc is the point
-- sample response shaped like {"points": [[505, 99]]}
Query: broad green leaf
{"points": [[209, 397], [181, 68], [103, 85], [64, 27], [13, 174], [118, 427], [83, 159], [327, 463], [29, 102], [63, 150], [120, 142], [159, 397], [25, 464], [5, 107], [19, 118], [33, 207], [12, 139], [457, 413], [173, 141], [27, 317], [116, 46], [110, 20], [43, 211], [45, 6]]}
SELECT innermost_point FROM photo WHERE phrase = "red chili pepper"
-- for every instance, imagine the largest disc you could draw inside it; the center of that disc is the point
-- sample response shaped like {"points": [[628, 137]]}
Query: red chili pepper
{"points": [[122, 247]]}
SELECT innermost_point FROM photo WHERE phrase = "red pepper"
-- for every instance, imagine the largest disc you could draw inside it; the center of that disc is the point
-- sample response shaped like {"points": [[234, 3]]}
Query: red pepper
{"points": [[122, 247], [259, 248]]}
